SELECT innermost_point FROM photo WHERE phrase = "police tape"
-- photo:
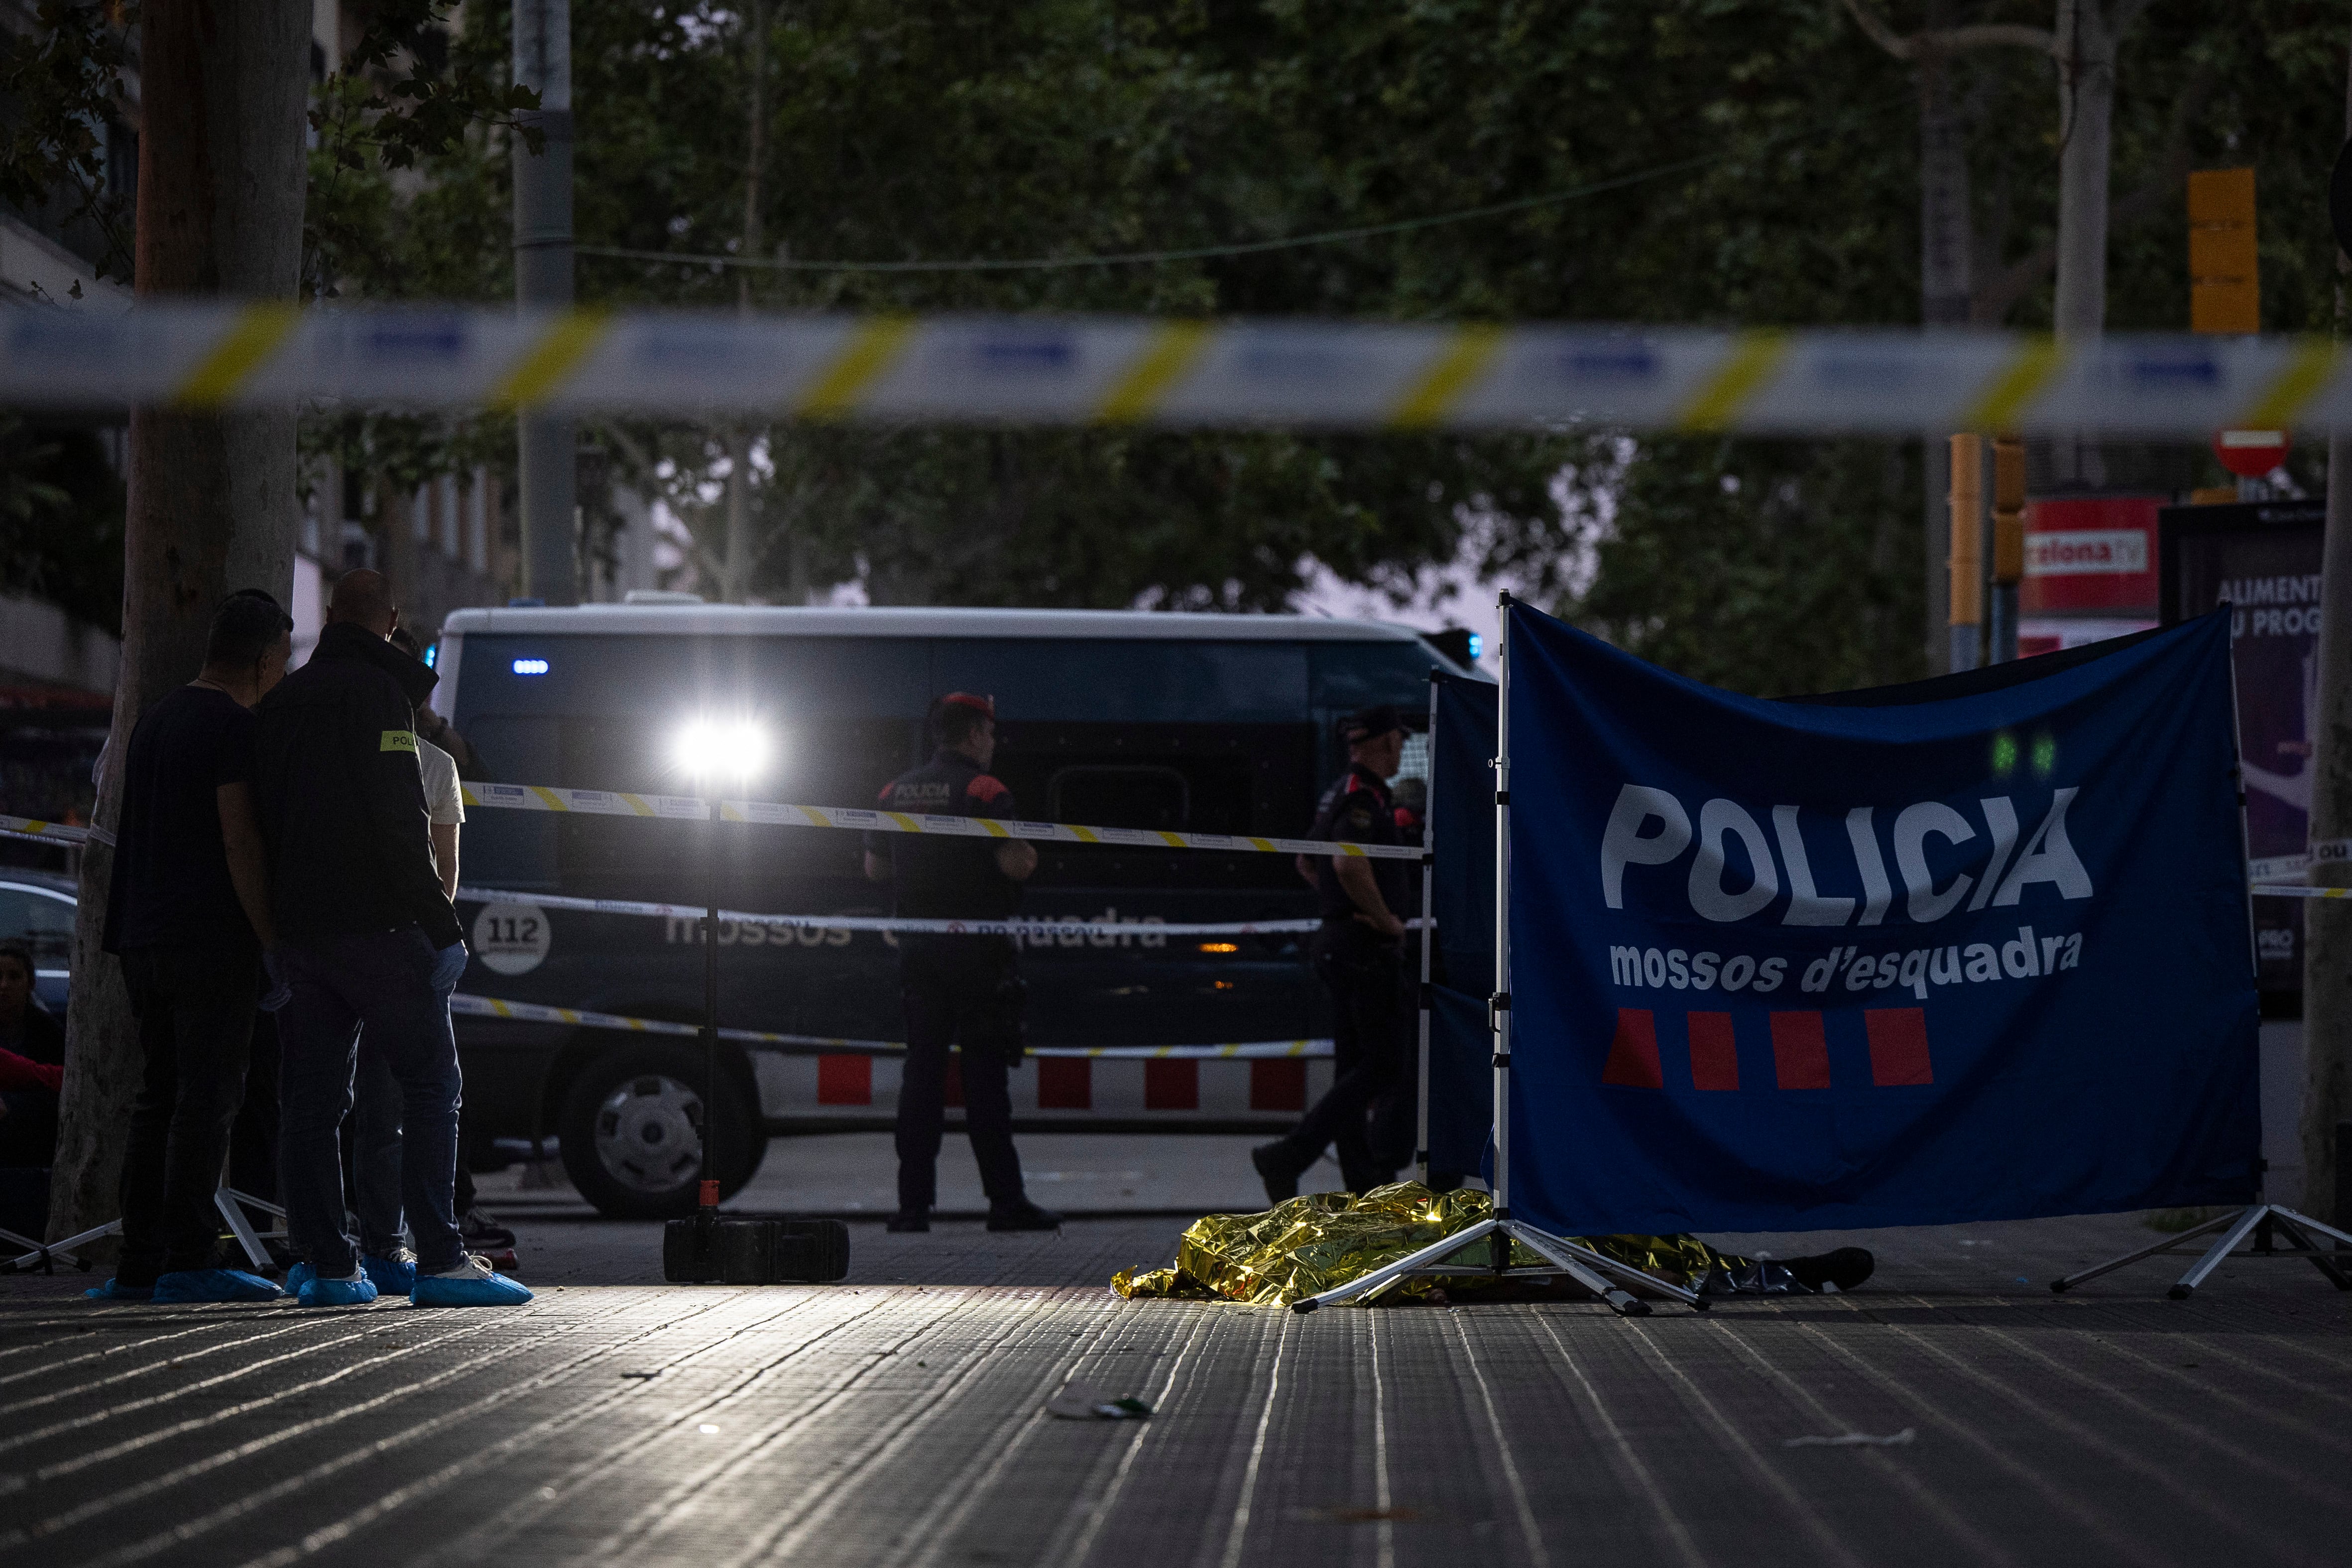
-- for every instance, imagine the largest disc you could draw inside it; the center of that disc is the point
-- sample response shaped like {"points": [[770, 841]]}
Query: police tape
{"points": [[34, 829], [613, 803], [1131, 370], [692, 808], [776, 1044], [1032, 928]]}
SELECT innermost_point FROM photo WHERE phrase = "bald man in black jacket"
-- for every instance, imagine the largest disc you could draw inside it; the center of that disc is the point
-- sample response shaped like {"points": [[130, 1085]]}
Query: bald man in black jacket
{"points": [[367, 940]]}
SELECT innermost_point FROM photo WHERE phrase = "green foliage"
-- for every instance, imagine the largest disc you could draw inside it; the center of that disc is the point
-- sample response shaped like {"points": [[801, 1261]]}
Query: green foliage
{"points": [[399, 102], [60, 79], [1740, 161], [60, 522], [1771, 567], [398, 209]]}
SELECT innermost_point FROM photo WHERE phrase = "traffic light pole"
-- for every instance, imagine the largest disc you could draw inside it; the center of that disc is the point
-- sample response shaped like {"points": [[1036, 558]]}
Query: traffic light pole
{"points": [[543, 282]]}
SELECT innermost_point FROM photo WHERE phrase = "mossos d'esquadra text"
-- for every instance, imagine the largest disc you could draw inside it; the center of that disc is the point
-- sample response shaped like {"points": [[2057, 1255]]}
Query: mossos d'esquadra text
{"points": [[1649, 833]]}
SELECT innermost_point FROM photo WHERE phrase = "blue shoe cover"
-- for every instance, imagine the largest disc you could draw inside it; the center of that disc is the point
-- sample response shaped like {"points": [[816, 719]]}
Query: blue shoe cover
{"points": [[440, 1290], [116, 1291], [298, 1276], [318, 1292], [389, 1275], [214, 1284]]}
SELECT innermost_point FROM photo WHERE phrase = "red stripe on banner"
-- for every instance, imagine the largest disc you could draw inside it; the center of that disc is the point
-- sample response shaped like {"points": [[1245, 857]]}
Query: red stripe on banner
{"points": [[1715, 1051], [1898, 1046], [1800, 1052], [1172, 1086], [844, 1080], [1278, 1083], [1064, 1083], [1634, 1053], [952, 1091]]}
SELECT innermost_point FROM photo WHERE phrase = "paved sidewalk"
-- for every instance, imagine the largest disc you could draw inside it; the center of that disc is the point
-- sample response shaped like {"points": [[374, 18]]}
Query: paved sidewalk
{"points": [[898, 1418]]}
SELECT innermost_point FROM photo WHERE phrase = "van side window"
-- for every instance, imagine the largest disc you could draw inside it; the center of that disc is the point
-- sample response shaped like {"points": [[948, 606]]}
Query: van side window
{"points": [[1115, 795], [1352, 675]]}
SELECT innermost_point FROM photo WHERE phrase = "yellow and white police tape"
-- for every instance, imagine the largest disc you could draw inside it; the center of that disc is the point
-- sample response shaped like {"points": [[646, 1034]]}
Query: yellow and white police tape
{"points": [[1128, 369], [613, 803], [821, 1045], [39, 831], [1033, 927]]}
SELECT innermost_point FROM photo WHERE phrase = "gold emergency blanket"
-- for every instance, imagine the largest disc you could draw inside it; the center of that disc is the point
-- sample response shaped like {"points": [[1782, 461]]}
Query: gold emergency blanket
{"points": [[1318, 1242]]}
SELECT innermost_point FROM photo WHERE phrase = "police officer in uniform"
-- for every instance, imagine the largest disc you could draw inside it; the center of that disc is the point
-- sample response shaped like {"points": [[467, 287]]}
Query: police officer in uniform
{"points": [[1368, 1109], [963, 991]]}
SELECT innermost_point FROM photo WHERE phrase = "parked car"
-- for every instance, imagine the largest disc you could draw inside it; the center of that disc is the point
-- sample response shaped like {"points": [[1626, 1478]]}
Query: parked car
{"points": [[37, 912]]}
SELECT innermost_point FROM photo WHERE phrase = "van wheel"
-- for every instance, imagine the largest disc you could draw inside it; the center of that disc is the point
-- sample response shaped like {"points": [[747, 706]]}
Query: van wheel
{"points": [[632, 1124]]}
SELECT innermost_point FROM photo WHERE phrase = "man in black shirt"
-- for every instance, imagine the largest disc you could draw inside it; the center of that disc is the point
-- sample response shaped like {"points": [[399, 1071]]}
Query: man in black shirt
{"points": [[958, 990], [370, 940], [187, 912], [1360, 954]]}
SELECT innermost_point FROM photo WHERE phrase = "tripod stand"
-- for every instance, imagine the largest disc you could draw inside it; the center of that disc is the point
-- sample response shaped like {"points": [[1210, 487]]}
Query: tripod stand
{"points": [[43, 1255], [2263, 1221], [1604, 1276]]}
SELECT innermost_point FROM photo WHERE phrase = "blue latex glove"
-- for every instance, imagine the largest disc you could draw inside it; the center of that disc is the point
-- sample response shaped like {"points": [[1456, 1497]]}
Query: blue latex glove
{"points": [[281, 990], [449, 966]]}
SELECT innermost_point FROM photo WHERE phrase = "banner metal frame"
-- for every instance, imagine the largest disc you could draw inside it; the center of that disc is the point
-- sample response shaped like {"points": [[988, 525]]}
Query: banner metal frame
{"points": [[2262, 1219], [1428, 884], [1605, 1276]]}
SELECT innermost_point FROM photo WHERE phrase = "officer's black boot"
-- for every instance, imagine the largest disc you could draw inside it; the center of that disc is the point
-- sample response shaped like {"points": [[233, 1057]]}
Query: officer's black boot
{"points": [[1020, 1214], [909, 1220], [1846, 1268], [1278, 1166]]}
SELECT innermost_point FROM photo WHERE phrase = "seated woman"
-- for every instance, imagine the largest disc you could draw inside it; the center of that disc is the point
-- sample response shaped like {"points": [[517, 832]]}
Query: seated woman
{"points": [[32, 1058]]}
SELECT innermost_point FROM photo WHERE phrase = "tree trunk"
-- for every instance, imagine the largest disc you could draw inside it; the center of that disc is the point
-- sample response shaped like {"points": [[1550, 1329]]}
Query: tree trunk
{"points": [[2086, 106], [211, 504], [397, 554], [2328, 923], [1947, 245]]}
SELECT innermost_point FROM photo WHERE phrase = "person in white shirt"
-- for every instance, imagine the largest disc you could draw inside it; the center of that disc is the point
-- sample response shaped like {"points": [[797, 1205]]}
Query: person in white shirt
{"points": [[385, 1257]]}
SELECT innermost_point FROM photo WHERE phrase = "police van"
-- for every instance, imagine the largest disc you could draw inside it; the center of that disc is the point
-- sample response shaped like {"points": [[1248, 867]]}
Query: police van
{"points": [[1207, 723]]}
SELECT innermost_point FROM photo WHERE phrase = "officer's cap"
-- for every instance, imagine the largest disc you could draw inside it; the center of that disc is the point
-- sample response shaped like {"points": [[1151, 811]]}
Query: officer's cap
{"points": [[985, 706], [1369, 724]]}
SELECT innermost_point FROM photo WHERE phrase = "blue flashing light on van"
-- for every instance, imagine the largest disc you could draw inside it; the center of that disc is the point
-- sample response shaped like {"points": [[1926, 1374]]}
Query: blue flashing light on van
{"points": [[1189, 722]]}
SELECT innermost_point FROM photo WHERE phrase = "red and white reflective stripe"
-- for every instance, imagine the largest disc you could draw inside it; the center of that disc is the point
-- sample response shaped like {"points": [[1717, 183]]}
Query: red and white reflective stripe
{"points": [[1100, 1085]]}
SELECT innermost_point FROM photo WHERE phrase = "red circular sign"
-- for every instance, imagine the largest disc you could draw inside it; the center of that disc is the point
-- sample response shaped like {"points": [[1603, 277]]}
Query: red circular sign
{"points": [[2250, 454]]}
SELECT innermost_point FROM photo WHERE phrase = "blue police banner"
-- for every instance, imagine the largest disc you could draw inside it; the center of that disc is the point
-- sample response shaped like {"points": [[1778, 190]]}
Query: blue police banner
{"points": [[1970, 950]]}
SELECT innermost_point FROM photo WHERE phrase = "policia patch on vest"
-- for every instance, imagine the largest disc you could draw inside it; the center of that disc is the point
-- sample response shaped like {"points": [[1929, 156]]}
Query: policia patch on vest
{"points": [[399, 741]]}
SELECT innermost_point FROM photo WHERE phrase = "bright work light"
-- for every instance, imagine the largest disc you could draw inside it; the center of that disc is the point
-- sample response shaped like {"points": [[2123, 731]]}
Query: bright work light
{"points": [[713, 749]]}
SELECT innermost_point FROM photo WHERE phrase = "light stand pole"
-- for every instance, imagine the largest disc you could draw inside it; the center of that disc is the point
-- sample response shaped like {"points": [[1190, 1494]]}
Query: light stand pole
{"points": [[1444, 1259], [708, 1211]]}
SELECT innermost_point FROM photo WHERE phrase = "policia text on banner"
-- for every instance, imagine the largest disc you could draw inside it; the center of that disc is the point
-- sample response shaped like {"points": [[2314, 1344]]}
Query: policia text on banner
{"points": [[1071, 369]]}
